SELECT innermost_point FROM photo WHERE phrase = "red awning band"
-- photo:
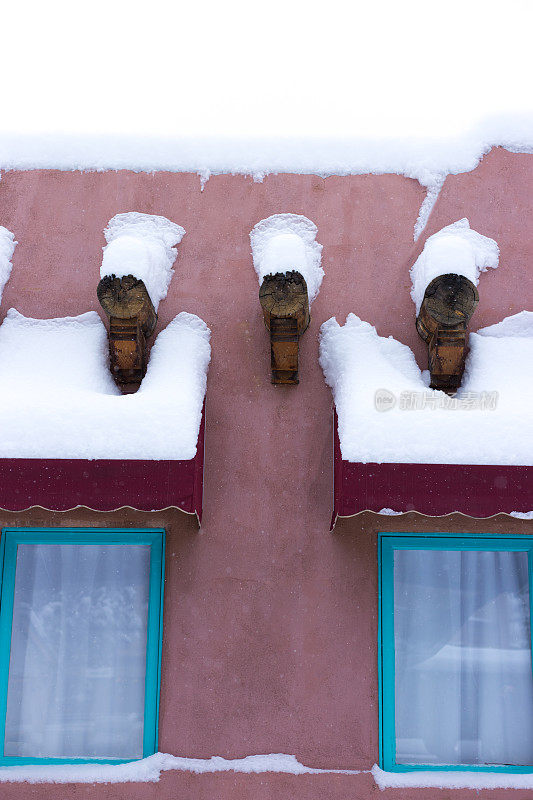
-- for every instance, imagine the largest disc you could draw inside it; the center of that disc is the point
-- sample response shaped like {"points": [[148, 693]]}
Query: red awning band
{"points": [[476, 490], [104, 484]]}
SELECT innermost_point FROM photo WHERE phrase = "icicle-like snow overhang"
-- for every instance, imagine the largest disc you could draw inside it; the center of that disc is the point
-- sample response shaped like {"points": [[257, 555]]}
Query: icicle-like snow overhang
{"points": [[67, 435], [401, 445]]}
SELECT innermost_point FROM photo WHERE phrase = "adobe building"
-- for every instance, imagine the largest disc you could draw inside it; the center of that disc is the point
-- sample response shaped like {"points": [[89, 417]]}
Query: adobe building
{"points": [[269, 631]]}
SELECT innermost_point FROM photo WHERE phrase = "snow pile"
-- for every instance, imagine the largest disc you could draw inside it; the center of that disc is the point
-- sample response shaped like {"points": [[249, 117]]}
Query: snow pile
{"points": [[37, 355], [451, 779], [59, 400], [286, 242], [149, 769], [387, 413], [456, 248], [142, 245], [520, 325], [7, 248]]}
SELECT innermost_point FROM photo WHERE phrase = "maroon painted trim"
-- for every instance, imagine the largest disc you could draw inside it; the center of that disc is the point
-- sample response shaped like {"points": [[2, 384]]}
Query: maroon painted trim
{"points": [[103, 484], [476, 490], [198, 488], [337, 472]]}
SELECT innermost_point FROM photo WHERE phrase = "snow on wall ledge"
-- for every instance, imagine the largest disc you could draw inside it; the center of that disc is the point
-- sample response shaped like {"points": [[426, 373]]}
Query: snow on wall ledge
{"points": [[387, 413], [421, 779], [148, 770], [285, 242], [59, 400], [142, 245]]}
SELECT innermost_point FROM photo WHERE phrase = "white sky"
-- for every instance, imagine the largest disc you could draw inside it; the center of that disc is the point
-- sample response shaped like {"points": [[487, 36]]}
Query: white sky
{"points": [[283, 67]]}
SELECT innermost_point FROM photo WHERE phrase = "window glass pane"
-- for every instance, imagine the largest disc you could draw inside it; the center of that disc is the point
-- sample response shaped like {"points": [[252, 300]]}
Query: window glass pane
{"points": [[463, 680], [78, 651]]}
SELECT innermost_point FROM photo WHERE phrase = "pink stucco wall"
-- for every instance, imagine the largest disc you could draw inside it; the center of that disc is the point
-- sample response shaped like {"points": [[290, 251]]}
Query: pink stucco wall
{"points": [[270, 620]]}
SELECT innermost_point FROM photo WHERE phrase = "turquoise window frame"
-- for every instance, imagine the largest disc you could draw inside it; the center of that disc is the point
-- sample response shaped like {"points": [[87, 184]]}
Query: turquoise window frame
{"points": [[387, 544], [155, 538]]}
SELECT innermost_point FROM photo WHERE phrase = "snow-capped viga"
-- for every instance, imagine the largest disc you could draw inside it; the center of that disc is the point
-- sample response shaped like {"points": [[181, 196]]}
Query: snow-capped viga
{"points": [[286, 242], [456, 249], [143, 245]]}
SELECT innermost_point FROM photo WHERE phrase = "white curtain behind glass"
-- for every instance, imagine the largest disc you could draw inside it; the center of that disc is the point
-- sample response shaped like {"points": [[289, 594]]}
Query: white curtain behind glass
{"points": [[78, 651], [463, 679]]}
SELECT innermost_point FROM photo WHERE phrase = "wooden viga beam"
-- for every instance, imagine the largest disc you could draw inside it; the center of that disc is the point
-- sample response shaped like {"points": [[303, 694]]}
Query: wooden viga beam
{"points": [[285, 304], [449, 302], [132, 319]]}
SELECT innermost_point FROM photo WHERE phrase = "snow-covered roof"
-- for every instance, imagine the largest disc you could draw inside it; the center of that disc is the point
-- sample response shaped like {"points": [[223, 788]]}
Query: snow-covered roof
{"points": [[59, 399], [428, 160], [387, 413]]}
